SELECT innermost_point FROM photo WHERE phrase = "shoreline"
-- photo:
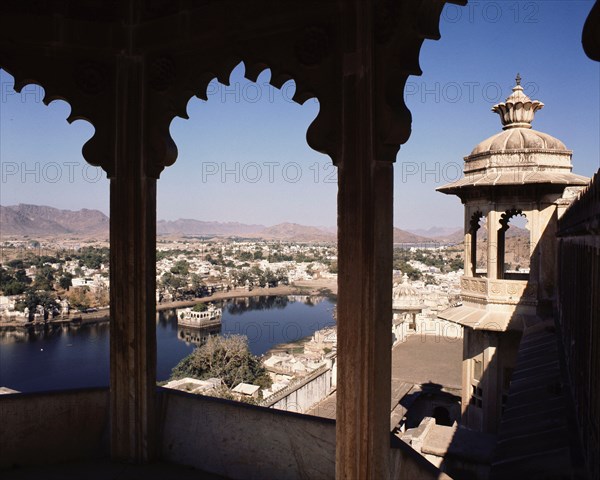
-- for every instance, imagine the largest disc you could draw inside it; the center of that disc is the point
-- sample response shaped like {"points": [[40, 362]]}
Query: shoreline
{"points": [[308, 287]]}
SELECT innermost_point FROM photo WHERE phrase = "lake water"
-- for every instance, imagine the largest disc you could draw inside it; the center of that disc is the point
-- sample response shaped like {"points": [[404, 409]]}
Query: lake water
{"points": [[59, 357]]}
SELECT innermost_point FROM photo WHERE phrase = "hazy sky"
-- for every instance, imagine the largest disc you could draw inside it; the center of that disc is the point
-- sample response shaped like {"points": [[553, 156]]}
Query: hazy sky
{"points": [[243, 154]]}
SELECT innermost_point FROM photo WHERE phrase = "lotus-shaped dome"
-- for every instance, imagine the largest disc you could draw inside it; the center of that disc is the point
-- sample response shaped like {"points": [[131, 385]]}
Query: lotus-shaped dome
{"points": [[518, 109], [516, 115]]}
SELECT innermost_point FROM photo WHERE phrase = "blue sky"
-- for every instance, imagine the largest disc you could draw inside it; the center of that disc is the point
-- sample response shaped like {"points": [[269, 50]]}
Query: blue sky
{"points": [[243, 154]]}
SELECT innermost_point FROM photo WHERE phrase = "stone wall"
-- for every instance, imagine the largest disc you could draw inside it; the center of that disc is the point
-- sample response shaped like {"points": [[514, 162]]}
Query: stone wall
{"points": [[236, 440], [300, 396], [242, 441], [53, 427], [579, 312]]}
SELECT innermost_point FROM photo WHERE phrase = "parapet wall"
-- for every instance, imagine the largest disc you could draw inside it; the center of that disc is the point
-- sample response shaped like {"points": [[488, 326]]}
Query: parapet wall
{"points": [[231, 439], [241, 441], [300, 396], [579, 312], [53, 427]]}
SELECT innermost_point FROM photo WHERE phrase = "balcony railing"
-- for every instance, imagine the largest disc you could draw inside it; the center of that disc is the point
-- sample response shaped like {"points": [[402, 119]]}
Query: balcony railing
{"points": [[499, 291]]}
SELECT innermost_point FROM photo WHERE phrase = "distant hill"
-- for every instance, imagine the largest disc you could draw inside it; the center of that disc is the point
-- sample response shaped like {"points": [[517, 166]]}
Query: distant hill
{"points": [[198, 227], [434, 232], [41, 220], [294, 231], [282, 231], [402, 236], [515, 231], [456, 236]]}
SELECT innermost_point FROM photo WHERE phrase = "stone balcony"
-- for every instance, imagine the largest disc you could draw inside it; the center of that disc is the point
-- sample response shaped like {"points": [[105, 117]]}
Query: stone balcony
{"points": [[512, 292]]}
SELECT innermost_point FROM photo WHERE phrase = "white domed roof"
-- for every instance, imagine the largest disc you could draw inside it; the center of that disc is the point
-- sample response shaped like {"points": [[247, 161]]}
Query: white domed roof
{"points": [[519, 139], [404, 295]]}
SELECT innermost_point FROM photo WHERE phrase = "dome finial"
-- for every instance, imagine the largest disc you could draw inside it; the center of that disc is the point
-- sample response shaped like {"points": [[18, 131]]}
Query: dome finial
{"points": [[518, 109]]}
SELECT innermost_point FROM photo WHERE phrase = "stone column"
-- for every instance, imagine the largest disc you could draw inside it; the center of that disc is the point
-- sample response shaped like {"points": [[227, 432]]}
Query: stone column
{"points": [[364, 317], [132, 278], [492, 402], [468, 254], [365, 243], [500, 251], [492, 256], [467, 365]]}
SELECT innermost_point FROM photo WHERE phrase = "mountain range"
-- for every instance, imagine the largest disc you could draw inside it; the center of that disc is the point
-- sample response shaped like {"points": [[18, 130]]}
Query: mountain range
{"points": [[44, 221], [22, 219]]}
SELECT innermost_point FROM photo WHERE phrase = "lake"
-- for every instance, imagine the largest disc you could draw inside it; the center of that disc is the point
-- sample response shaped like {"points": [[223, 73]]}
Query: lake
{"points": [[56, 357]]}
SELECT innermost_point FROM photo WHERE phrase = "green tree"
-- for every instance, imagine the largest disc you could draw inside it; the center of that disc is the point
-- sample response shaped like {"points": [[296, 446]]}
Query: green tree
{"points": [[200, 307], [21, 276], [33, 298], [79, 298], [172, 282], [13, 287], [333, 267], [181, 267], [456, 263], [44, 278], [227, 358], [16, 264], [65, 281], [245, 256]]}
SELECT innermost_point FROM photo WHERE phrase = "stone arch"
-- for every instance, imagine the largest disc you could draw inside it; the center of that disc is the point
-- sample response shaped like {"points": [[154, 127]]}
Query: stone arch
{"points": [[504, 223], [251, 73], [52, 94], [471, 242], [442, 416]]}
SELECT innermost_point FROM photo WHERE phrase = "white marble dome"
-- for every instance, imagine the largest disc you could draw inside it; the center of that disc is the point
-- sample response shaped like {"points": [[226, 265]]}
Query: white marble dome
{"points": [[519, 139], [404, 295]]}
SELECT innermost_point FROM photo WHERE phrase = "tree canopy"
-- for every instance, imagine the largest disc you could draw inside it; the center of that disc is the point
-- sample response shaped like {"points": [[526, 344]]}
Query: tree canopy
{"points": [[224, 357]]}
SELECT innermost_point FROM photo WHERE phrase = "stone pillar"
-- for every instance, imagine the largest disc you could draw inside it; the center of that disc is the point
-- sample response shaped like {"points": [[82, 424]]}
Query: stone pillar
{"points": [[492, 254], [364, 317], [491, 385], [132, 278], [500, 251], [466, 376], [365, 243], [470, 239]]}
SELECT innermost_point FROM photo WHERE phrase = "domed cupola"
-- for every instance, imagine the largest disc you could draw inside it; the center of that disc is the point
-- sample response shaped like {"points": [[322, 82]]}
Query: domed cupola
{"points": [[516, 173], [404, 295]]}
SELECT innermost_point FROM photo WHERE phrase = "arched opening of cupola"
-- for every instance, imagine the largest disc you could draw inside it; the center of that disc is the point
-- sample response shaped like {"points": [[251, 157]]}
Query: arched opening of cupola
{"points": [[513, 246], [474, 239], [247, 210], [479, 251]]}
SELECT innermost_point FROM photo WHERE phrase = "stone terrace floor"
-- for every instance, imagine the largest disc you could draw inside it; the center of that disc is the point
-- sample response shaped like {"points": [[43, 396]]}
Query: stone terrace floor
{"points": [[421, 359], [106, 470]]}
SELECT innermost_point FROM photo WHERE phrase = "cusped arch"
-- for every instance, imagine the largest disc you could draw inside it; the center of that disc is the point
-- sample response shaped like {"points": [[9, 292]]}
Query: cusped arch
{"points": [[55, 94], [165, 106], [507, 215], [84, 85]]}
